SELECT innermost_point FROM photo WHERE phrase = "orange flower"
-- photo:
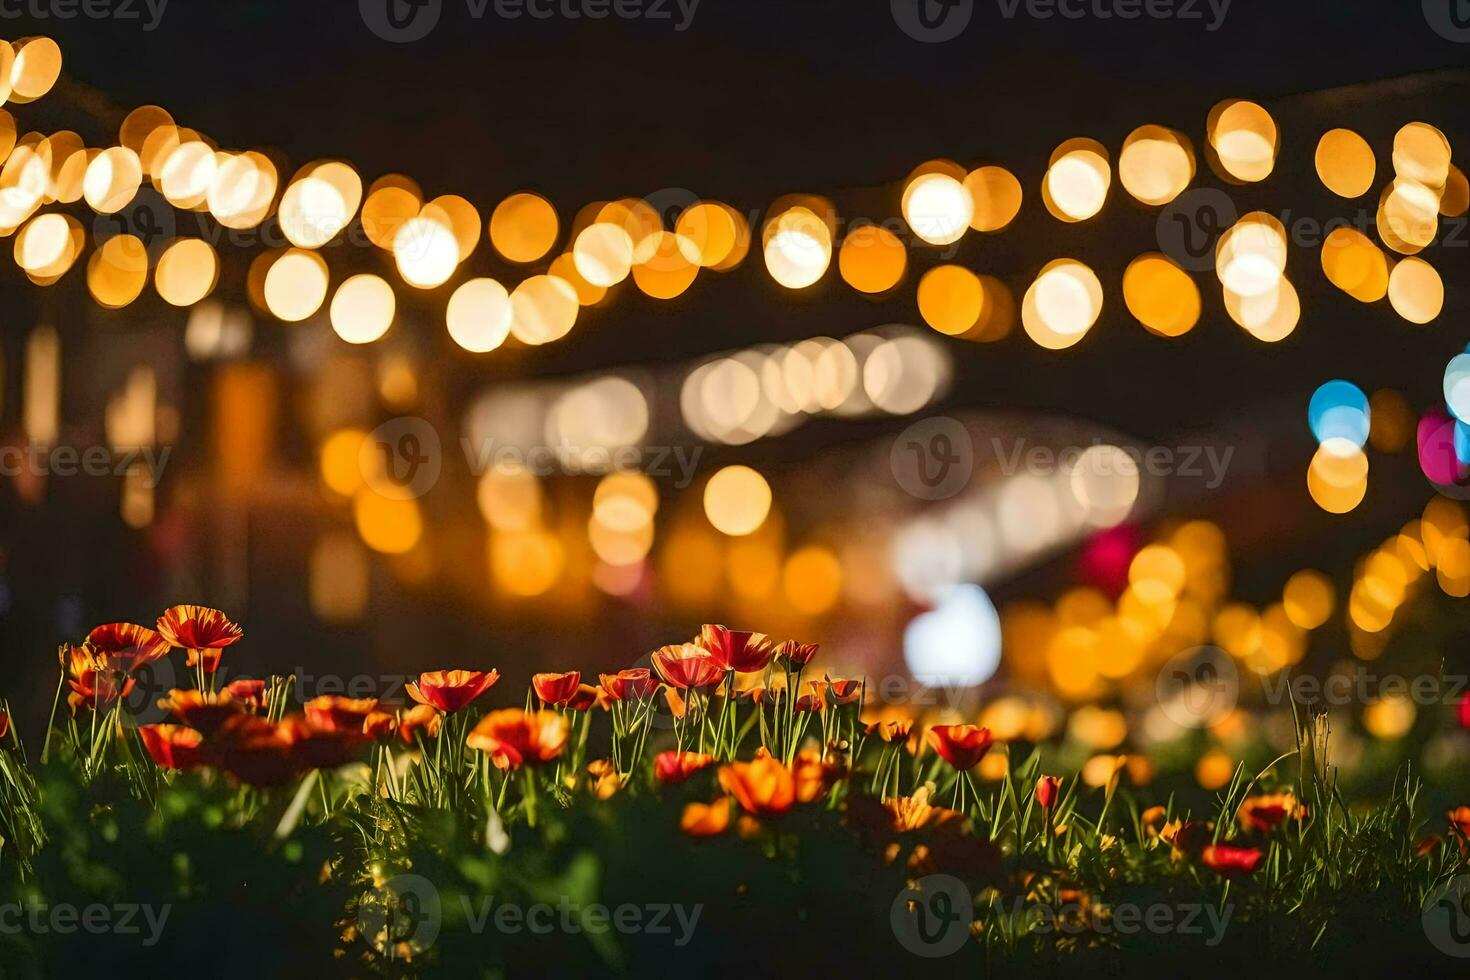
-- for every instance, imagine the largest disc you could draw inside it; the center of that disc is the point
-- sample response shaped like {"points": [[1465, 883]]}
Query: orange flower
{"points": [[250, 693], [451, 690], [420, 718], [254, 751], [812, 776], [128, 646], [1267, 812], [378, 725], [796, 654], [200, 710], [675, 767], [738, 650], [843, 691], [1048, 789], [1460, 822], [763, 787], [706, 820], [173, 746], [201, 631], [962, 746], [629, 685], [1152, 818], [684, 665], [585, 698], [513, 737], [93, 680], [605, 778], [909, 813], [678, 707], [816, 701], [753, 695], [1229, 860], [891, 731], [334, 713], [318, 748], [557, 689]]}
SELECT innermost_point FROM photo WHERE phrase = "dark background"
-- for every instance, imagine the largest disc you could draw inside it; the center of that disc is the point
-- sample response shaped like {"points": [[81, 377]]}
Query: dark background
{"points": [[754, 100]]}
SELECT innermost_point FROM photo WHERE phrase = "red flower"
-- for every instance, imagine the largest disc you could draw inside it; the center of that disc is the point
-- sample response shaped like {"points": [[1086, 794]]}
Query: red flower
{"points": [[250, 693], [763, 787], [962, 746], [1465, 712], [451, 690], [675, 767], [127, 645], [173, 746], [513, 737], [1048, 789], [420, 718], [1227, 859], [201, 631], [557, 689], [796, 654], [4, 723], [815, 701], [684, 665], [629, 685], [199, 710], [94, 681], [333, 713], [1265, 813], [1188, 839], [738, 650]]}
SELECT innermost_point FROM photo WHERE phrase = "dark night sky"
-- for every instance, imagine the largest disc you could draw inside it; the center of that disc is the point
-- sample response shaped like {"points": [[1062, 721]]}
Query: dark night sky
{"points": [[754, 97]]}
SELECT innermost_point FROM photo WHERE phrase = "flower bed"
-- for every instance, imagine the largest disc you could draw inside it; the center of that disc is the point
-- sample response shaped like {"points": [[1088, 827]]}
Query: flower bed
{"points": [[722, 811]]}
